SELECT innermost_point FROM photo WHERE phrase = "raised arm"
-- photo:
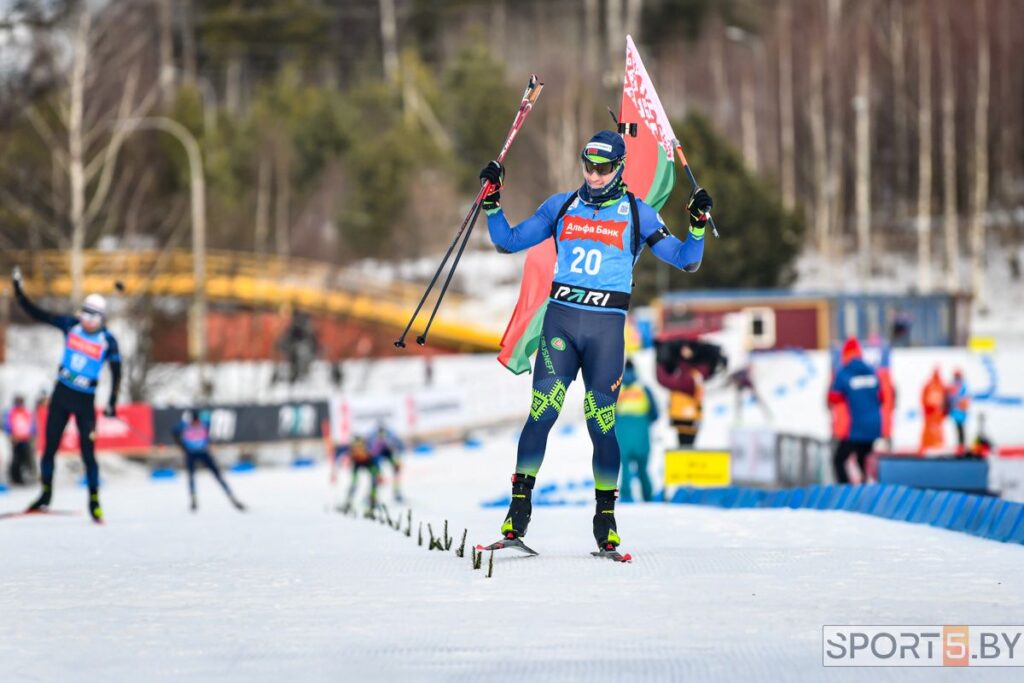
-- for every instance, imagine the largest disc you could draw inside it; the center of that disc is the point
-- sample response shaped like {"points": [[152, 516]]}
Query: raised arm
{"points": [[532, 231], [64, 322], [685, 255]]}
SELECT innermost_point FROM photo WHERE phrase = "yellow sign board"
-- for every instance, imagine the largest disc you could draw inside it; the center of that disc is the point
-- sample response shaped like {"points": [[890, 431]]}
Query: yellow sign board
{"points": [[982, 344], [697, 468]]}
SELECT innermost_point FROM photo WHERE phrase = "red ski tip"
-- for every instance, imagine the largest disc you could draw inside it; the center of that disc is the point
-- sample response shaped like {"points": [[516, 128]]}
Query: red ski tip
{"points": [[627, 558]]}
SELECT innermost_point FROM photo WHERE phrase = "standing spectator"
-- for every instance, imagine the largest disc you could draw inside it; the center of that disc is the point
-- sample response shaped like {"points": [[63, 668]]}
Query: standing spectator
{"points": [[682, 367], [933, 408], [857, 385], [958, 401], [20, 427], [635, 412]]}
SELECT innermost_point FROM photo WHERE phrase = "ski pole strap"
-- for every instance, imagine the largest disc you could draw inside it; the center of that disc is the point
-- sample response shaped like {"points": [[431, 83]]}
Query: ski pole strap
{"points": [[585, 296]]}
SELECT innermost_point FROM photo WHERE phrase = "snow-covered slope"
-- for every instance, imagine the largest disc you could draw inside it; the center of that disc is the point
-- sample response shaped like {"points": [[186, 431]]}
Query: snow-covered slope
{"points": [[290, 591]]}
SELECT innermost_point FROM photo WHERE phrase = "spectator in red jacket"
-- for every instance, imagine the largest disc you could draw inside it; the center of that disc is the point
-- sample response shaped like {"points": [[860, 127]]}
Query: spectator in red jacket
{"points": [[20, 427]]}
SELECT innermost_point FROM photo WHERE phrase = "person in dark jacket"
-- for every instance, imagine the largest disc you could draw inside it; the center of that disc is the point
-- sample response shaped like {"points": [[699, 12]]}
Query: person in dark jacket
{"points": [[857, 386]]}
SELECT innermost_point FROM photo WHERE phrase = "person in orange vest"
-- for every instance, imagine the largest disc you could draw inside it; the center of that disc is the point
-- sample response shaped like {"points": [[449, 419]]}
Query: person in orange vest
{"points": [[933, 408], [682, 367], [635, 412], [20, 426], [958, 401]]}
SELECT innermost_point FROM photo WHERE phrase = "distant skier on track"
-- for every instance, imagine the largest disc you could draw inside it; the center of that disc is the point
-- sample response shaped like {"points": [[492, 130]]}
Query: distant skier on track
{"points": [[360, 456], [385, 446], [88, 344], [599, 231], [193, 435]]}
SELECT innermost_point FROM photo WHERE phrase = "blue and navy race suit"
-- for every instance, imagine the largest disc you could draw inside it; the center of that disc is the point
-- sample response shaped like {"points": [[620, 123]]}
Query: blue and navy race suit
{"points": [[384, 444], [194, 439], [597, 248], [75, 391]]}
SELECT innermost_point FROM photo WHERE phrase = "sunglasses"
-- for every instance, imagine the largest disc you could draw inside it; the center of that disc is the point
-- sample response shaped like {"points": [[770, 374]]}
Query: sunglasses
{"points": [[604, 168]]}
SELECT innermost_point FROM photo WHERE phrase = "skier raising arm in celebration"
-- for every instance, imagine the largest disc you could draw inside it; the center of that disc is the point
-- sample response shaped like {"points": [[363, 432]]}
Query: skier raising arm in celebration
{"points": [[88, 344], [599, 231]]}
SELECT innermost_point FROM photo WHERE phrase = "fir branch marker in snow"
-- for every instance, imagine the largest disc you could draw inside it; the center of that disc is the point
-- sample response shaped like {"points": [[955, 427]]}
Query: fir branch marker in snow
{"points": [[461, 551], [490, 565]]}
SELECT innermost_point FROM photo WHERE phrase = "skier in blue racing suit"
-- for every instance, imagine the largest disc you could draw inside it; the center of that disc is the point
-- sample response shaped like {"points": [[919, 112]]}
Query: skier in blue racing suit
{"points": [[88, 344], [599, 231]]}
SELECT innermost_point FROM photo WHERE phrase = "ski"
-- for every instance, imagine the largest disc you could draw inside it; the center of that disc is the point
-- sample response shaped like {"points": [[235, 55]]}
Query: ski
{"points": [[35, 513], [513, 543], [613, 555]]}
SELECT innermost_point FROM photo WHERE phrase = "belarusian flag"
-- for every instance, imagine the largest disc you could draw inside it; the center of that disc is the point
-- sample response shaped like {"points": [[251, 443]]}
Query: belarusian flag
{"points": [[650, 171], [650, 175]]}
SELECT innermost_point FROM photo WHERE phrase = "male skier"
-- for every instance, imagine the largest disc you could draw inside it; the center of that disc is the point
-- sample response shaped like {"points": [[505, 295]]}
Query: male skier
{"points": [[88, 344], [599, 230], [385, 445], [193, 435]]}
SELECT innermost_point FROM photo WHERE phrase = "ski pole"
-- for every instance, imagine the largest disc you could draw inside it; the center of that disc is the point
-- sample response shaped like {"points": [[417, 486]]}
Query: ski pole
{"points": [[530, 96], [422, 339], [693, 182]]}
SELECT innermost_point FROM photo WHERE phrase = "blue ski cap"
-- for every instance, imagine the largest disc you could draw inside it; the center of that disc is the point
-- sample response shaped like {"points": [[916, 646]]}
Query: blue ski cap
{"points": [[605, 146]]}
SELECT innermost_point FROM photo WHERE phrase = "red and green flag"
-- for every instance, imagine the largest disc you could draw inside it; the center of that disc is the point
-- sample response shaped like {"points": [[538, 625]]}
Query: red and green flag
{"points": [[649, 174]]}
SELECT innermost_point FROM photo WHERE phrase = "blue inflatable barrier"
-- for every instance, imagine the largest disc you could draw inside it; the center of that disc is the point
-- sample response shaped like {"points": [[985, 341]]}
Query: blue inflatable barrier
{"points": [[301, 463], [3, 487], [423, 449], [978, 515], [473, 443], [163, 473], [243, 466], [547, 489]]}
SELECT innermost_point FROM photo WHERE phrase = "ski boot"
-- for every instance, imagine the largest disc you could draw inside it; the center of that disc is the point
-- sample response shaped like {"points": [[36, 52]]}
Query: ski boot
{"points": [[605, 532], [42, 503], [521, 507], [193, 503], [518, 517], [95, 511]]}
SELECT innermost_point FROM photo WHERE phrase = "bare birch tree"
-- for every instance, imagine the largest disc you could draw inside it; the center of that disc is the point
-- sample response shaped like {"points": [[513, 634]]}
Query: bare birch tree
{"points": [[979, 169], [924, 149], [949, 209]]}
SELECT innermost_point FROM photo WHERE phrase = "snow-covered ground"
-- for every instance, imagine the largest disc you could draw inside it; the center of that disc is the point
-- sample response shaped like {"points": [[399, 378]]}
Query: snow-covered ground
{"points": [[290, 591]]}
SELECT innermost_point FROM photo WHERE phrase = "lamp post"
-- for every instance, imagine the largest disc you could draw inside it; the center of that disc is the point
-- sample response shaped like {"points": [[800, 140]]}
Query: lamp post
{"points": [[197, 183]]}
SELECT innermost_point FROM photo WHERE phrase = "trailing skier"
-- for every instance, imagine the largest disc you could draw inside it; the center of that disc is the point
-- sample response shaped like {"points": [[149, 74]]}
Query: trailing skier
{"points": [[599, 231], [88, 344], [193, 435], [385, 446]]}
